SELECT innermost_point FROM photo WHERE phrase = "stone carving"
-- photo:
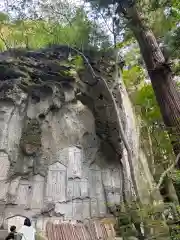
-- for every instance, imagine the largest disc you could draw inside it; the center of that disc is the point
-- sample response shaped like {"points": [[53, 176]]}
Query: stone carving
{"points": [[70, 189], [56, 182], [113, 187], [73, 189], [12, 190], [94, 208], [4, 167], [24, 194], [86, 208], [95, 183], [84, 187], [3, 192], [76, 188], [102, 208], [37, 192], [77, 209], [117, 198], [116, 179], [69, 211], [75, 162], [106, 176], [5, 114], [110, 199], [53, 142], [116, 186], [85, 171]]}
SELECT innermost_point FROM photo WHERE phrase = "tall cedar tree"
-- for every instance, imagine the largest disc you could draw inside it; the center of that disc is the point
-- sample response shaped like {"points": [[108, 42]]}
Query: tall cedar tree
{"points": [[157, 66]]}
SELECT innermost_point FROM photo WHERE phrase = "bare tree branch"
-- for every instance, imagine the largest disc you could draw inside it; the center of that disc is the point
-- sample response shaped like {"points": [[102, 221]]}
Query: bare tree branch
{"points": [[166, 172]]}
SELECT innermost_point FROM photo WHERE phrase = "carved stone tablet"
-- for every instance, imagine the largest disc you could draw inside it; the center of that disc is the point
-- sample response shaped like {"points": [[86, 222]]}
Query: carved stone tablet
{"points": [[37, 192], [84, 187], [77, 209], [110, 199], [14, 186], [106, 177], [70, 187], [4, 190], [85, 171], [5, 114], [57, 167], [86, 208], [94, 208], [76, 188], [102, 208], [56, 182], [116, 180], [75, 162], [69, 211], [4, 165], [24, 193], [117, 198], [12, 190], [73, 189], [95, 183]]}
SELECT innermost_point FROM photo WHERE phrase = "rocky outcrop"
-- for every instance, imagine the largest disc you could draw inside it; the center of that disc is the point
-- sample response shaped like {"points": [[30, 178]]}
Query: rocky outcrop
{"points": [[61, 152]]}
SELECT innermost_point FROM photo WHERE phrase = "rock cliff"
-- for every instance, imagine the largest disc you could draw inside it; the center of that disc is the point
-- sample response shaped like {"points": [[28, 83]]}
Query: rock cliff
{"points": [[61, 151]]}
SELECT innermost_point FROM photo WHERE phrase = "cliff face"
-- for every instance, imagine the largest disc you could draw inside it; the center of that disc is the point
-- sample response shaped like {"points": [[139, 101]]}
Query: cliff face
{"points": [[61, 153]]}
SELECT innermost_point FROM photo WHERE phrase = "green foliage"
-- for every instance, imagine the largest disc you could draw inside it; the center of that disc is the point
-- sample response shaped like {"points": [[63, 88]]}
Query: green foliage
{"points": [[4, 18], [131, 216], [61, 24], [133, 77], [175, 232], [173, 42], [39, 236], [176, 176], [78, 63], [145, 99], [155, 139], [79, 32]]}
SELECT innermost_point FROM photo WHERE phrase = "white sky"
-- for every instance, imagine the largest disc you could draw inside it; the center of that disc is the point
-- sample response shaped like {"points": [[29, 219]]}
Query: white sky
{"points": [[73, 2]]}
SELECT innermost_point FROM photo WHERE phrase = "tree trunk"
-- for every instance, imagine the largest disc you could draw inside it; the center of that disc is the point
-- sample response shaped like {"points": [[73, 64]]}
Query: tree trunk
{"points": [[160, 74]]}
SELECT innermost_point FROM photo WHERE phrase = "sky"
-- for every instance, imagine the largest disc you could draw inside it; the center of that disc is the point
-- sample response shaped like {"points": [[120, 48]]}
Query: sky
{"points": [[101, 21]]}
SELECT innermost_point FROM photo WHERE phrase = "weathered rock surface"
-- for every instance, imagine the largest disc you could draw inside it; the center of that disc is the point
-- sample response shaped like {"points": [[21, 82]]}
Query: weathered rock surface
{"points": [[60, 150]]}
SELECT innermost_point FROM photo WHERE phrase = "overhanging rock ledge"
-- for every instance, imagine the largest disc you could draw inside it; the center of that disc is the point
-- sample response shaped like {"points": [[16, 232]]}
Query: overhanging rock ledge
{"points": [[61, 152]]}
